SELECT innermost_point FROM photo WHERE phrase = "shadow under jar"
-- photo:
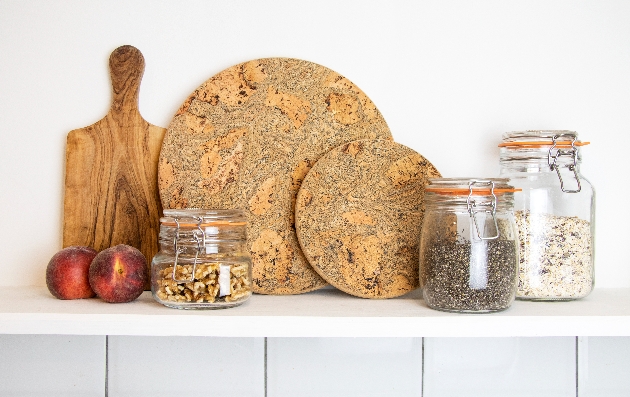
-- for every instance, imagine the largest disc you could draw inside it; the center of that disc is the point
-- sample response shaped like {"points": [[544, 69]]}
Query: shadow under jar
{"points": [[554, 214], [203, 262], [469, 245]]}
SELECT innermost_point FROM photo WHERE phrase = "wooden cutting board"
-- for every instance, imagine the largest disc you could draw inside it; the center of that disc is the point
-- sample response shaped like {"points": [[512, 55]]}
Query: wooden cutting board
{"points": [[247, 137], [111, 195]]}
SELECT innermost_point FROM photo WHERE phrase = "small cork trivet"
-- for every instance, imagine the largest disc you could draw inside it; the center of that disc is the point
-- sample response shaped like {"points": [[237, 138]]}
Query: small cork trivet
{"points": [[247, 137], [359, 214]]}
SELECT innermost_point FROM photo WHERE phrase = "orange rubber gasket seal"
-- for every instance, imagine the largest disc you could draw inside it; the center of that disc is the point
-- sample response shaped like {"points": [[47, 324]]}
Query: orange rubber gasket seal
{"points": [[217, 223], [536, 144], [465, 191]]}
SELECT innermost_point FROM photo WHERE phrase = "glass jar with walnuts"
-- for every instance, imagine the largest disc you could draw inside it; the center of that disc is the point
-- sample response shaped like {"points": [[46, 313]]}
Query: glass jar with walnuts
{"points": [[203, 262]]}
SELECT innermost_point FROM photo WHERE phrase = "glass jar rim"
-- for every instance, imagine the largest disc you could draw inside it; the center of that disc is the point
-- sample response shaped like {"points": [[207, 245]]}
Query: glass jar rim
{"points": [[541, 138], [467, 186], [195, 217]]}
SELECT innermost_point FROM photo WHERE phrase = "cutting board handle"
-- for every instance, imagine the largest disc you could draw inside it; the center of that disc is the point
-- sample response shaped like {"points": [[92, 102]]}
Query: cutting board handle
{"points": [[126, 66]]}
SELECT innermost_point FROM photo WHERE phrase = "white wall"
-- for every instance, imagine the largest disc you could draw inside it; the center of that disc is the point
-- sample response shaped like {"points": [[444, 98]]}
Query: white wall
{"points": [[448, 76]]}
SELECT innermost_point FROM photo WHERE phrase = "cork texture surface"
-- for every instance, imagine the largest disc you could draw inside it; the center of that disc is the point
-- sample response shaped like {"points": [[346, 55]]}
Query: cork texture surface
{"points": [[247, 137], [358, 217]]}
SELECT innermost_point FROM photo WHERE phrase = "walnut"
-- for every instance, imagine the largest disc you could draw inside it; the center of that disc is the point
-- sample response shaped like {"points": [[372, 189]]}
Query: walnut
{"points": [[204, 286]]}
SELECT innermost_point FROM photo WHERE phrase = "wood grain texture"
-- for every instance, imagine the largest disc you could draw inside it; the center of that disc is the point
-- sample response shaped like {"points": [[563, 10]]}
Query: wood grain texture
{"points": [[247, 137], [111, 195], [359, 214]]}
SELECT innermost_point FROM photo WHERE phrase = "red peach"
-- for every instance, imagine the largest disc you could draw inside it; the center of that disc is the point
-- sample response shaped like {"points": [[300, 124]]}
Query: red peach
{"points": [[118, 274], [67, 273]]}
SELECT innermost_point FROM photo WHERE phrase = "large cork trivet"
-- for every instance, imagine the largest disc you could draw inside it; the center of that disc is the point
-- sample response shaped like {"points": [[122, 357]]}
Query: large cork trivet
{"points": [[359, 214], [247, 137]]}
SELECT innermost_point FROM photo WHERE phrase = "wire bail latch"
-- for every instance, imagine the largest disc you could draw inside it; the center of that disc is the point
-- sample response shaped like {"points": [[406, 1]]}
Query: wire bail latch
{"points": [[199, 237], [552, 158], [487, 207]]}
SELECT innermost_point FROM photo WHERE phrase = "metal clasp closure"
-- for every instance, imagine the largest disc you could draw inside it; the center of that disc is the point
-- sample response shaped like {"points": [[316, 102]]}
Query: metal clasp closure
{"points": [[486, 207], [552, 158], [199, 237]]}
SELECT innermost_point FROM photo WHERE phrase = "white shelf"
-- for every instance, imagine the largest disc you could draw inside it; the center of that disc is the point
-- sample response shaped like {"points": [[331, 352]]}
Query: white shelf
{"points": [[325, 313]]}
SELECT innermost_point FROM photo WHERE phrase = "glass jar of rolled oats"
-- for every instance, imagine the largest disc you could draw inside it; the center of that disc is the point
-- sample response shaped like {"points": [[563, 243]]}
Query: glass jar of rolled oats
{"points": [[203, 262], [555, 214]]}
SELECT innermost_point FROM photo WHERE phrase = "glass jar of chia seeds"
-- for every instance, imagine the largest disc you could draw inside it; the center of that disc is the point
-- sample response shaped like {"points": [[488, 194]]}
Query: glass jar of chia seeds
{"points": [[554, 214], [468, 245], [203, 262]]}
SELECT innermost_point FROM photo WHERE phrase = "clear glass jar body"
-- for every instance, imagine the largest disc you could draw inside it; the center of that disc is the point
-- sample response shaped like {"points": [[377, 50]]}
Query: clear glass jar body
{"points": [[203, 262], [468, 252], [554, 214]]}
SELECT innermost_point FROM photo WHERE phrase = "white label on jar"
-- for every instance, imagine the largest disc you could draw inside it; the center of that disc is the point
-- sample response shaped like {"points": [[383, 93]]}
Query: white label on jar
{"points": [[478, 272], [478, 278], [224, 280]]}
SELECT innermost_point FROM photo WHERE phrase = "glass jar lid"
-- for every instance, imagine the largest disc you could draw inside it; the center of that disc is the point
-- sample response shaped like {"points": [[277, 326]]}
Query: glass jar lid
{"points": [[470, 186], [470, 194], [481, 198], [559, 149], [541, 138], [200, 227]]}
